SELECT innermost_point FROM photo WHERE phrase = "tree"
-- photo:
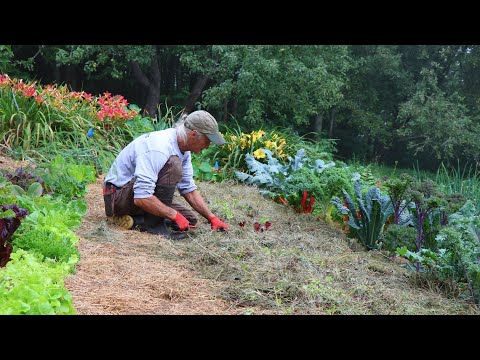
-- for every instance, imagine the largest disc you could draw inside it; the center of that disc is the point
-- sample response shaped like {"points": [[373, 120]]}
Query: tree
{"points": [[119, 61], [286, 85]]}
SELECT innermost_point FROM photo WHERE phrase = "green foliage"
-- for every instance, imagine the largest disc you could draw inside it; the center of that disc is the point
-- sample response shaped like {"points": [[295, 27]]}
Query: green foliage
{"points": [[33, 191], [57, 214], [461, 243], [6, 56], [203, 170], [65, 186], [105, 61], [399, 236], [6, 194], [464, 181], [366, 223], [44, 248], [81, 173], [425, 259], [334, 180], [41, 122], [440, 120], [366, 177], [139, 124], [23, 177], [287, 83], [425, 196], [231, 156], [49, 243], [66, 179], [30, 286], [276, 177], [322, 185], [303, 179], [398, 191]]}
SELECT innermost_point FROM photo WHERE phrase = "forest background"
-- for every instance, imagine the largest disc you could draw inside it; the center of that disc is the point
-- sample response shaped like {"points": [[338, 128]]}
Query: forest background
{"points": [[391, 104]]}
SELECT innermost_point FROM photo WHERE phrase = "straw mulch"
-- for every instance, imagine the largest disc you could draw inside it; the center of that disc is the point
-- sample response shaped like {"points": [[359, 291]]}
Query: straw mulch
{"points": [[122, 272]]}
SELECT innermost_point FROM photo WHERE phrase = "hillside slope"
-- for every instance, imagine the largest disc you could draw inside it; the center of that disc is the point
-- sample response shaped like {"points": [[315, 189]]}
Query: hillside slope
{"points": [[301, 265]]}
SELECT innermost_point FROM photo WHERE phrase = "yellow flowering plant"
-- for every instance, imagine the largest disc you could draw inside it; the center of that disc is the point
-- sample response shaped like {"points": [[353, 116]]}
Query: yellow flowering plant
{"points": [[238, 144]]}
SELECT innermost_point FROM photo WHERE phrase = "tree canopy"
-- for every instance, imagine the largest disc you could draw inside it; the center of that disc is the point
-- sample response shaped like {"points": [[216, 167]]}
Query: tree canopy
{"points": [[381, 102]]}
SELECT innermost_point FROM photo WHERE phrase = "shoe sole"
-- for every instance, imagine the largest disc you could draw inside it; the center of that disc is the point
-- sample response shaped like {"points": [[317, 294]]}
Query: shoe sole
{"points": [[124, 221]]}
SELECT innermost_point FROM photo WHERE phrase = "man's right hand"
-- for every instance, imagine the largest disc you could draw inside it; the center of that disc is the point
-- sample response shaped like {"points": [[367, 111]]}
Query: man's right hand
{"points": [[181, 221]]}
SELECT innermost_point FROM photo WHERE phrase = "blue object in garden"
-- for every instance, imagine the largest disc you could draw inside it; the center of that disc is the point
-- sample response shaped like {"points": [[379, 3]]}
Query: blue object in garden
{"points": [[216, 165], [90, 132]]}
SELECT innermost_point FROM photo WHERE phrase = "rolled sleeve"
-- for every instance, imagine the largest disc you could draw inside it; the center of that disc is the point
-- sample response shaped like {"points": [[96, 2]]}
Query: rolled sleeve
{"points": [[187, 184]]}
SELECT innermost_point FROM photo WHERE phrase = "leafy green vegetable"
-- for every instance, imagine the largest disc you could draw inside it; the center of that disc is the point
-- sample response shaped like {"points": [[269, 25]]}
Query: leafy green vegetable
{"points": [[368, 221], [31, 286]]}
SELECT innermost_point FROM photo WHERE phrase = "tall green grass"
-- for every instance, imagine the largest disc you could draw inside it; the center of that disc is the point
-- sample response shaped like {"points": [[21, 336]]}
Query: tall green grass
{"points": [[450, 180], [464, 181]]}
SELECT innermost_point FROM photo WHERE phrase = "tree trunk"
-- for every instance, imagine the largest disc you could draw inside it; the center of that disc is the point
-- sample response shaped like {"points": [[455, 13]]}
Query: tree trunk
{"points": [[56, 73], [151, 84], [332, 120], [225, 110], [195, 93], [318, 125], [234, 107], [70, 77]]}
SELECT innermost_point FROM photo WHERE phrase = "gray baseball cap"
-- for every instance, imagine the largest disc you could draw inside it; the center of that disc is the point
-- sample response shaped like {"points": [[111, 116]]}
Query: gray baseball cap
{"points": [[205, 123]]}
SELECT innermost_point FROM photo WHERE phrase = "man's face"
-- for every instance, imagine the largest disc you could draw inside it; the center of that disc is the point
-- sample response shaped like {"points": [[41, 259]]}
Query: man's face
{"points": [[198, 142]]}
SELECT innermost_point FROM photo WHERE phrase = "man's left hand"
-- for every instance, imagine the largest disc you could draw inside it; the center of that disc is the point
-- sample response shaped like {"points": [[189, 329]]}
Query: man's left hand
{"points": [[217, 224]]}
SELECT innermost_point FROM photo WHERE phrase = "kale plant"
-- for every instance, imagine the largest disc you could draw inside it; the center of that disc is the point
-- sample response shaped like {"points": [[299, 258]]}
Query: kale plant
{"points": [[366, 222]]}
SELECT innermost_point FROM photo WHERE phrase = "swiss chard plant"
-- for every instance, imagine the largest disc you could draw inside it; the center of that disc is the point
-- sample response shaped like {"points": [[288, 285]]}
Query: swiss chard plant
{"points": [[367, 221]]}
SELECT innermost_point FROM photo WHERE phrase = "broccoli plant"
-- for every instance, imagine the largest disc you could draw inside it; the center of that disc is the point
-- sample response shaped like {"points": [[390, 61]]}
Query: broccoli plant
{"points": [[367, 222], [397, 189]]}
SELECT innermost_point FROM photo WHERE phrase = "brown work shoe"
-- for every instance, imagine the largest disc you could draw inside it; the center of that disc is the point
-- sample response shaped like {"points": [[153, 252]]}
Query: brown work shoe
{"points": [[124, 221]]}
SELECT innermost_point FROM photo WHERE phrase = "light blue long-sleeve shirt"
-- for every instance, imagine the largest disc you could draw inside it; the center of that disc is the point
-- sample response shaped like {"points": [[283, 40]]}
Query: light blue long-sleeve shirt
{"points": [[143, 159]]}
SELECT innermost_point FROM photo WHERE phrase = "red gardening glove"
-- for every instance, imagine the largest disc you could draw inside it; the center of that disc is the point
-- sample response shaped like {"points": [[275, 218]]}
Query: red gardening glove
{"points": [[181, 221], [217, 223]]}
